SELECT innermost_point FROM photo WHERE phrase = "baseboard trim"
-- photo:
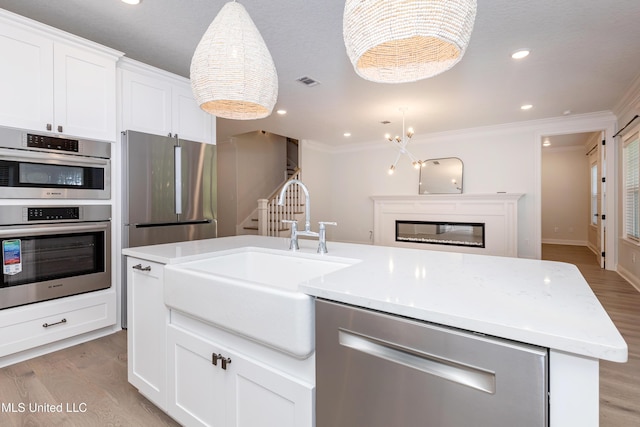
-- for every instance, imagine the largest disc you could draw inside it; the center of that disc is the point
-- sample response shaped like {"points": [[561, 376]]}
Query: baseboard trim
{"points": [[565, 242], [629, 277]]}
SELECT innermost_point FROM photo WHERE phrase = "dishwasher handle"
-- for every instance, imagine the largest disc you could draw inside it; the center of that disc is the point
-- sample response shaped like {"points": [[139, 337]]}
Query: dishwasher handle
{"points": [[428, 363]]}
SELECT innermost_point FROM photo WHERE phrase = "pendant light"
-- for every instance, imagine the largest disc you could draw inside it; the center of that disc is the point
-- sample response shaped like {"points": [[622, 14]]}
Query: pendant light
{"points": [[232, 73], [398, 41], [401, 144]]}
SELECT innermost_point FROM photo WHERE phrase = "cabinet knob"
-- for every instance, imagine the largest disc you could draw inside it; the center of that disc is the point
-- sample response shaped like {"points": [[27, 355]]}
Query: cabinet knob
{"points": [[215, 358], [49, 127], [60, 129], [225, 360]]}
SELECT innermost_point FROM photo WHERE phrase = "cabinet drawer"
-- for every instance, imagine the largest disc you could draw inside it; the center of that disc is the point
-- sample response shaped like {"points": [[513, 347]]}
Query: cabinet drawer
{"points": [[34, 325]]}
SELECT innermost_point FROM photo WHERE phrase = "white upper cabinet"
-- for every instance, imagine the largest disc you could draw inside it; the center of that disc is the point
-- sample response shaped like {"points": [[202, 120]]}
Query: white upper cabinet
{"points": [[53, 81], [155, 101]]}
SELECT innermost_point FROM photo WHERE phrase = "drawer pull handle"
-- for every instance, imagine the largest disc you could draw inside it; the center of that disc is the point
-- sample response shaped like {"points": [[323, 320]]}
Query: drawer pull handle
{"points": [[46, 325], [141, 268]]}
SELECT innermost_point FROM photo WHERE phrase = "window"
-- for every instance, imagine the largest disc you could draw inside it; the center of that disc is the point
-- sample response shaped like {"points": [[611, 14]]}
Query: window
{"points": [[631, 160], [594, 194]]}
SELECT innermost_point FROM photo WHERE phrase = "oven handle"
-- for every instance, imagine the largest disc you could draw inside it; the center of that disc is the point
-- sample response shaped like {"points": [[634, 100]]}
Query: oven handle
{"points": [[44, 229], [52, 158]]}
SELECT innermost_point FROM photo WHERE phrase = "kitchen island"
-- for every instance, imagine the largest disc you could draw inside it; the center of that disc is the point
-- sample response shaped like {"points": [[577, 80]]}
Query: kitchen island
{"points": [[542, 303]]}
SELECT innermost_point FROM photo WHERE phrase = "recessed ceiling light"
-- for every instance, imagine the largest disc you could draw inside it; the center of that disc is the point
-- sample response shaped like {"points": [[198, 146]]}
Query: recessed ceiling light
{"points": [[546, 142], [526, 107], [347, 134], [519, 54], [282, 112], [131, 1]]}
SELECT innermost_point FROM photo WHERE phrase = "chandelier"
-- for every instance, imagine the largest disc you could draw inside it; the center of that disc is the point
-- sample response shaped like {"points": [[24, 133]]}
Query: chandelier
{"points": [[232, 73], [401, 144], [398, 41]]}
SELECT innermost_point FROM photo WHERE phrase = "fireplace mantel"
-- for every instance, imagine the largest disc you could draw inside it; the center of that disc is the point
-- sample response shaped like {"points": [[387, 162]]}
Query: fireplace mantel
{"points": [[498, 212]]}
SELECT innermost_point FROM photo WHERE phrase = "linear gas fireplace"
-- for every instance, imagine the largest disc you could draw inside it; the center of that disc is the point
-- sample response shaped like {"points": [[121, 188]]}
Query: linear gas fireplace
{"points": [[469, 234], [490, 220]]}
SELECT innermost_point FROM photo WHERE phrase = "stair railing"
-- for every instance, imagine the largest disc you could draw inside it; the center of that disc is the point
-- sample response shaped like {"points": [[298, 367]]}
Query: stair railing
{"points": [[270, 214]]}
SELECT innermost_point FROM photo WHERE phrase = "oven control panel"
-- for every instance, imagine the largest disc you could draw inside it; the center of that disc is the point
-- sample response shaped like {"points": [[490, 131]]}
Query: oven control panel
{"points": [[52, 143], [53, 213]]}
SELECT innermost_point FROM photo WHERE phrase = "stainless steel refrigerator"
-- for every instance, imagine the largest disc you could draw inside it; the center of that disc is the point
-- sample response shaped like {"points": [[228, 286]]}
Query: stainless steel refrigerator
{"points": [[169, 193]]}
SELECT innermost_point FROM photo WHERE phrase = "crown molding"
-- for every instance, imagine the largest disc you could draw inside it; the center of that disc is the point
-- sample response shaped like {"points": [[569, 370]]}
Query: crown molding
{"points": [[554, 125]]}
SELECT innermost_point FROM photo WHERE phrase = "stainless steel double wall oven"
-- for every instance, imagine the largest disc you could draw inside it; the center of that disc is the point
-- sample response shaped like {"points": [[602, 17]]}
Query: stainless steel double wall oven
{"points": [[52, 250]]}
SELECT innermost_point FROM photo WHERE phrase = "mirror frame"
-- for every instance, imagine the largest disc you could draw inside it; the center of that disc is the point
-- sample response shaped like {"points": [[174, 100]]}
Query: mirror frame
{"points": [[458, 190]]}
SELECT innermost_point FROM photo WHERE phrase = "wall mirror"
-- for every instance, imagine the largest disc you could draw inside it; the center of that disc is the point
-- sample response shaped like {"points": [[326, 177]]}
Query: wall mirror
{"points": [[441, 176]]}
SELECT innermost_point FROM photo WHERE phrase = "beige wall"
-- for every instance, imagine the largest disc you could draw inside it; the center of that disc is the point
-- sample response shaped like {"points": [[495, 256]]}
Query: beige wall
{"points": [[565, 196], [250, 167], [628, 252]]}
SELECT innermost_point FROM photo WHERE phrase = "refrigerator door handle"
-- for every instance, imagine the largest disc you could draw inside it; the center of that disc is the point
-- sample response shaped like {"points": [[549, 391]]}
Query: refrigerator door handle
{"points": [[178, 178]]}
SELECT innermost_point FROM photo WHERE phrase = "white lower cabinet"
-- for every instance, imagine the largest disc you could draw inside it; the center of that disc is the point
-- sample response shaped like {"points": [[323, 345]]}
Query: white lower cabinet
{"points": [[210, 384], [30, 326], [147, 318]]}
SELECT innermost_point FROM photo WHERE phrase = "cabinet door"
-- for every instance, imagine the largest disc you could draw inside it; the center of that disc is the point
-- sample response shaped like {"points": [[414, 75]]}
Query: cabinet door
{"points": [[188, 120], [262, 396], [147, 318], [146, 104], [84, 93], [26, 79], [197, 388]]}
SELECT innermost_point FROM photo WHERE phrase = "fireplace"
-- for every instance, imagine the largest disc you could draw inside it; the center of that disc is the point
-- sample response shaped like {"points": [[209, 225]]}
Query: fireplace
{"points": [[441, 233], [471, 223]]}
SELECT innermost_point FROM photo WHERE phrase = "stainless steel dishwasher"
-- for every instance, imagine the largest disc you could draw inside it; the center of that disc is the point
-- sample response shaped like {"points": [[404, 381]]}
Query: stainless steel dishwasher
{"points": [[379, 370]]}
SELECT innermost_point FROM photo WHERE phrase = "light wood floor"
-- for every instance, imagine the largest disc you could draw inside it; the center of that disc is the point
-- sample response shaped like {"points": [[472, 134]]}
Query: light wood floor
{"points": [[95, 373], [92, 374], [619, 382]]}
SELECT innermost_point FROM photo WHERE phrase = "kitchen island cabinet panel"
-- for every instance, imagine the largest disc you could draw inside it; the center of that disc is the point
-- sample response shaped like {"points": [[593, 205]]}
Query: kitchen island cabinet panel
{"points": [[236, 391], [146, 335]]}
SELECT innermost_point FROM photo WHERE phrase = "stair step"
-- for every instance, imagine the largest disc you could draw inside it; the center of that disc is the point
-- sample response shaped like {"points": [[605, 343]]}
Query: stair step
{"points": [[256, 228]]}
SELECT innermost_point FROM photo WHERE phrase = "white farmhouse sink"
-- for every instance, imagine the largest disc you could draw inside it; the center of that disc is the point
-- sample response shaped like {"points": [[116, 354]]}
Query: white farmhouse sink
{"points": [[253, 292]]}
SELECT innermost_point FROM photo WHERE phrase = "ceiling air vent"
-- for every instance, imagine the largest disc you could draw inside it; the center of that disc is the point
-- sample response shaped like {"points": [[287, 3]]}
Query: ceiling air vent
{"points": [[308, 81]]}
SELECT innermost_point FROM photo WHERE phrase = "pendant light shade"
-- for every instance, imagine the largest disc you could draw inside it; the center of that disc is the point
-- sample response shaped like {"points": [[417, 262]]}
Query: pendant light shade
{"points": [[232, 73], [398, 41]]}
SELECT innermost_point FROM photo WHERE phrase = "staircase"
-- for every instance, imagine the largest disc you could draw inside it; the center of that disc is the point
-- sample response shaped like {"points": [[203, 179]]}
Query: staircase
{"points": [[266, 220]]}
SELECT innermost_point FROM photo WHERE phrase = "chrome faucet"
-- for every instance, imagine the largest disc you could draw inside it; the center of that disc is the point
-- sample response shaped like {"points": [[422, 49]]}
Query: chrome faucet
{"points": [[293, 245]]}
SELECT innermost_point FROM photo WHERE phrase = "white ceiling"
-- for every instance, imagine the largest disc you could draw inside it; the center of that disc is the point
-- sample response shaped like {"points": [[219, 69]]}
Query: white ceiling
{"points": [[585, 56]]}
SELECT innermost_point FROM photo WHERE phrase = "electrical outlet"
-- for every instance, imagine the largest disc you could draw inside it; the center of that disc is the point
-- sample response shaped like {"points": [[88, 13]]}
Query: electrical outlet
{"points": [[556, 229]]}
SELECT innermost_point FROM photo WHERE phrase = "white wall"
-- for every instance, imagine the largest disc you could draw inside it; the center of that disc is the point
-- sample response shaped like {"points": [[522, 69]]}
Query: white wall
{"points": [[496, 158], [565, 196]]}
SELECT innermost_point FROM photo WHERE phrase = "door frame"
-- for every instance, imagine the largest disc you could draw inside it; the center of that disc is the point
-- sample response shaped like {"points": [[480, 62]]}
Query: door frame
{"points": [[597, 122]]}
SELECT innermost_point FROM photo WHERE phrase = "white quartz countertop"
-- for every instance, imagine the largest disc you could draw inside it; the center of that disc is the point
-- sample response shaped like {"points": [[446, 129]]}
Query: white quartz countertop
{"points": [[543, 303]]}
